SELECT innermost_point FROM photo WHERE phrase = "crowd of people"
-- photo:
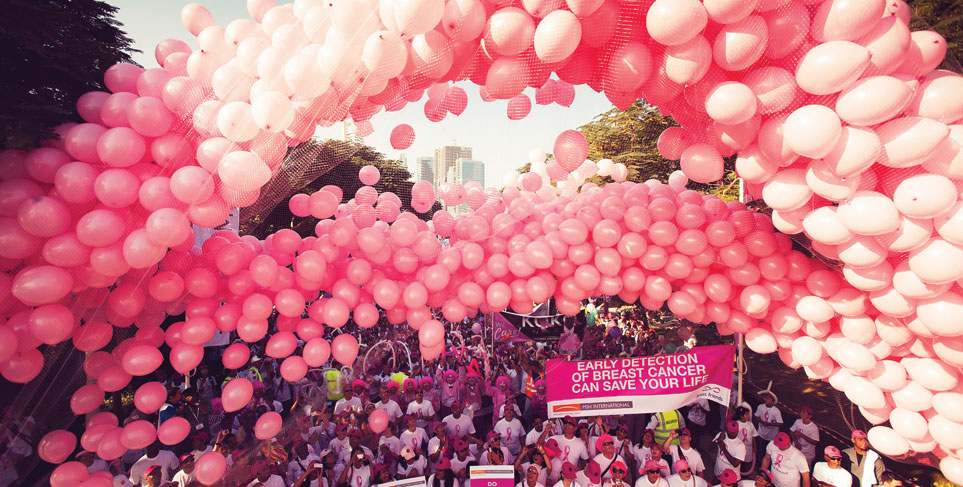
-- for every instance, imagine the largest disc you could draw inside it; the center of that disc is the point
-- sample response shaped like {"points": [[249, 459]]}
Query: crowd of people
{"points": [[473, 406]]}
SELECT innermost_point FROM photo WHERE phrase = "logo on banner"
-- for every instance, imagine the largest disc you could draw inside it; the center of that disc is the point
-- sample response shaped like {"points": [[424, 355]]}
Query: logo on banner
{"points": [[505, 331], [592, 406]]}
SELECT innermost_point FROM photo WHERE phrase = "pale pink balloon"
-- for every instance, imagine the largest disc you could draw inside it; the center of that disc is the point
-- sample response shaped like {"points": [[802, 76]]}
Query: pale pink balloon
{"points": [[268, 425], [556, 36], [294, 368], [846, 21], [831, 67], [570, 150], [138, 434], [344, 348], [740, 44], [378, 420], [210, 467], [69, 474], [702, 163], [236, 355], [173, 430], [731, 103], [509, 31], [236, 394], [149, 397], [671, 23], [812, 131]]}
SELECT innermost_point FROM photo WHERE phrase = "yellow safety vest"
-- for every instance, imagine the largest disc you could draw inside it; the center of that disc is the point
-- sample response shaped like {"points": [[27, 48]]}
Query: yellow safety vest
{"points": [[668, 421], [399, 377], [333, 379]]}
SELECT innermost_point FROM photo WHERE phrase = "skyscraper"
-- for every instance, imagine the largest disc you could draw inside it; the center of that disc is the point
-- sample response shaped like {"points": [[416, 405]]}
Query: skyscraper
{"points": [[470, 170], [445, 160], [425, 169]]}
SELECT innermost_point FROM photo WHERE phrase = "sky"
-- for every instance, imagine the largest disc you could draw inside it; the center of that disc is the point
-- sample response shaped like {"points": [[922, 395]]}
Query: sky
{"points": [[502, 144]]}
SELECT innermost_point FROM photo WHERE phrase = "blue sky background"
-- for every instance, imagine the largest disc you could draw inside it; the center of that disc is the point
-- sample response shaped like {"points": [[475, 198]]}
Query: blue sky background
{"points": [[500, 143]]}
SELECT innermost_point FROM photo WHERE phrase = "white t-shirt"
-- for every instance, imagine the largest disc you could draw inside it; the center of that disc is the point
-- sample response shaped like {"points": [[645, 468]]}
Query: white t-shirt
{"points": [[748, 434], [483, 456], [431, 481], [391, 408], [344, 404], [394, 445], [416, 467], [692, 457], [605, 462], [771, 415], [272, 481], [532, 437], [542, 473], [811, 430], [837, 477], [456, 428], [510, 432], [697, 411], [345, 457], [338, 446], [572, 450], [643, 481], [694, 481], [165, 458], [642, 454], [736, 448], [425, 408], [297, 466], [359, 477], [415, 439], [182, 478], [458, 466], [787, 465]]}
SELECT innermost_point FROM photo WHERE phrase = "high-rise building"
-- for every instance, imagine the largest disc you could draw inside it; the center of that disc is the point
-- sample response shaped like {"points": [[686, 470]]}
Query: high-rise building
{"points": [[425, 169], [445, 160], [470, 170]]}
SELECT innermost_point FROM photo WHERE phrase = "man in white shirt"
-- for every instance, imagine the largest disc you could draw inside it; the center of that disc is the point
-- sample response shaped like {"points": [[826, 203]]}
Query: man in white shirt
{"points": [[831, 472], [787, 462], [340, 442], [510, 429], [684, 476], [165, 459], [770, 420], [413, 435], [438, 444], [388, 404], [354, 443], [185, 475], [864, 463], [607, 456], [805, 433], [651, 476], [300, 462], [264, 478], [422, 410], [732, 451], [764, 478], [538, 427], [348, 402], [457, 424], [572, 448], [496, 453], [685, 451]]}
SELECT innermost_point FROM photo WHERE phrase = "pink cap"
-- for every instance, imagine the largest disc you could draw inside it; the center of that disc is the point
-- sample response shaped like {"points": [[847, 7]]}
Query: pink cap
{"points": [[651, 465], [605, 438], [728, 476], [782, 441], [732, 427], [680, 464], [859, 434], [832, 451]]}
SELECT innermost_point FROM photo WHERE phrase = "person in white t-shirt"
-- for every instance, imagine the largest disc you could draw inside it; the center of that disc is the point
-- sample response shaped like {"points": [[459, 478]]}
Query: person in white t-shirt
{"points": [[831, 472], [538, 427], [769, 418], [495, 453], [154, 456], [413, 435], [510, 429], [347, 403], [748, 434], [651, 476], [685, 451], [764, 478], [698, 412], [411, 464], [531, 477], [788, 465], [388, 405], [684, 476], [608, 456], [732, 451], [264, 477], [300, 461], [423, 411], [569, 474], [443, 476], [185, 474], [727, 478], [461, 459], [657, 457], [389, 445], [572, 448], [458, 425], [358, 471], [805, 433]]}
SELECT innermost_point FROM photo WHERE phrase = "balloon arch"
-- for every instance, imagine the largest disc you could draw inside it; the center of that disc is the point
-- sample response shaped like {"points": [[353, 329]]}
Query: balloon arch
{"points": [[836, 111]]}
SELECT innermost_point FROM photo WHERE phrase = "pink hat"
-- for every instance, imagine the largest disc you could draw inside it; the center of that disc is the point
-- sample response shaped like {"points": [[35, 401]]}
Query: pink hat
{"points": [[492, 435], [568, 470], [728, 476], [782, 441], [605, 438], [443, 463], [551, 447], [732, 427], [832, 452], [680, 464], [651, 465], [618, 466], [450, 374], [859, 434], [593, 471], [426, 381]]}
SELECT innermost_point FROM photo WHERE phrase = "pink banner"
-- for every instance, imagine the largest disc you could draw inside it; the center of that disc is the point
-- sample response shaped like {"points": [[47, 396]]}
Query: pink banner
{"points": [[505, 331], [639, 384]]}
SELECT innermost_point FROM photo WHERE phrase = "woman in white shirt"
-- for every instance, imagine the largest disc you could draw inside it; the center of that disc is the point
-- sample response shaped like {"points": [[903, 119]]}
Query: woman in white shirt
{"points": [[442, 476]]}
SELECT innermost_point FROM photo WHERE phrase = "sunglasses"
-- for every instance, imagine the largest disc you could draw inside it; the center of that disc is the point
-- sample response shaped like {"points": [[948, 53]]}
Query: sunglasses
{"points": [[685, 470], [835, 459], [608, 443], [653, 471], [618, 470]]}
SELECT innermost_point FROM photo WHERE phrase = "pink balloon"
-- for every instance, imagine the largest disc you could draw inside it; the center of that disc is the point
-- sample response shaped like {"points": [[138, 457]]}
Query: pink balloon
{"points": [[236, 394], [140, 360], [268, 425], [235, 356], [138, 434], [294, 368], [110, 446], [210, 467], [570, 150], [150, 397], [402, 137], [86, 399], [316, 352], [174, 430], [344, 348], [68, 474], [378, 420], [56, 446]]}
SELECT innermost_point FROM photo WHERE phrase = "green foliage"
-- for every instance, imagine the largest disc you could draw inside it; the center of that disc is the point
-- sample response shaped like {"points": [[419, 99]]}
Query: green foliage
{"points": [[630, 137], [945, 17], [53, 52], [313, 165]]}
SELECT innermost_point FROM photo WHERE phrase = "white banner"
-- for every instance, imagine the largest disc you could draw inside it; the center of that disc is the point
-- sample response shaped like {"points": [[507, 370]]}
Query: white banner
{"points": [[412, 482]]}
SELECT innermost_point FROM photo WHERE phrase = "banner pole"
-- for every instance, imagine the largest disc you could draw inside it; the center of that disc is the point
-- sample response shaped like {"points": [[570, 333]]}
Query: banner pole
{"points": [[740, 339]]}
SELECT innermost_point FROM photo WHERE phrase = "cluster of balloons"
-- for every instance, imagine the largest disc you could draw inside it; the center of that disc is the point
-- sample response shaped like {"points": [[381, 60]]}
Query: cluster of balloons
{"points": [[840, 121]]}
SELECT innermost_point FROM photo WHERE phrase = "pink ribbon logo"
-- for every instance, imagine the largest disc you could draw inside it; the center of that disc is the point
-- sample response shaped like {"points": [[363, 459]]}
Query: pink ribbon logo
{"points": [[457, 429], [778, 462], [568, 449]]}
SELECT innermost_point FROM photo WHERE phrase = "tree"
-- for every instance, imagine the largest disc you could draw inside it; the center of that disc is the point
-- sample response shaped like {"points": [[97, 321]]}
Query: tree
{"points": [[945, 17], [53, 52], [313, 165]]}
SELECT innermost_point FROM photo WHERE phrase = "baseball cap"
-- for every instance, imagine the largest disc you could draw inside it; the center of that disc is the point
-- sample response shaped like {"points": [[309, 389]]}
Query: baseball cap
{"points": [[355, 432], [832, 451], [732, 427], [685, 431], [623, 427], [680, 464], [859, 434], [594, 472], [407, 453], [459, 444], [569, 470], [443, 463], [186, 456], [534, 467], [618, 465], [806, 409], [782, 441], [493, 435], [568, 420], [457, 403], [341, 427], [151, 469], [728, 476], [551, 447]]}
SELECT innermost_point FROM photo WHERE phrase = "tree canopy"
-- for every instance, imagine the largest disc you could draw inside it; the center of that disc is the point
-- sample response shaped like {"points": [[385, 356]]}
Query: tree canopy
{"points": [[313, 165], [53, 52]]}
